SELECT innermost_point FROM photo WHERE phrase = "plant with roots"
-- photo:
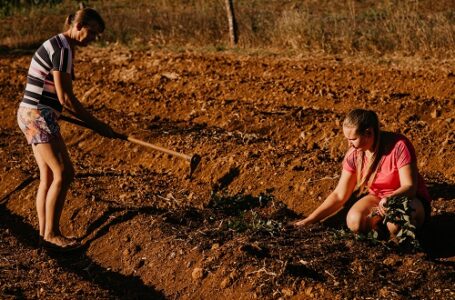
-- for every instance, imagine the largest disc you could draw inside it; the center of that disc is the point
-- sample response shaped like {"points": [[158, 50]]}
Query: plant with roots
{"points": [[398, 212]]}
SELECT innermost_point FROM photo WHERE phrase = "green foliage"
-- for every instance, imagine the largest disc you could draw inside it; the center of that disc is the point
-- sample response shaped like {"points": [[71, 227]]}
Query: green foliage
{"points": [[234, 204], [253, 222], [267, 225], [371, 237], [399, 213], [242, 214]]}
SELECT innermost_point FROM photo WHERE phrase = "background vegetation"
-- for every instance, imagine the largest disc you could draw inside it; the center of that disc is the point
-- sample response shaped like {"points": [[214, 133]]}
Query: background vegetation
{"points": [[369, 27]]}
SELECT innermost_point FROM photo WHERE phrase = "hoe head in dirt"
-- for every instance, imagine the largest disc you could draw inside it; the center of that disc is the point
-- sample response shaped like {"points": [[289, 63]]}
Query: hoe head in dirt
{"points": [[194, 162], [194, 159]]}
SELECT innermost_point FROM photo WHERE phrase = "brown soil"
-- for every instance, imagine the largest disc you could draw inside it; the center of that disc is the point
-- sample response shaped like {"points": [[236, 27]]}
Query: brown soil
{"points": [[268, 130]]}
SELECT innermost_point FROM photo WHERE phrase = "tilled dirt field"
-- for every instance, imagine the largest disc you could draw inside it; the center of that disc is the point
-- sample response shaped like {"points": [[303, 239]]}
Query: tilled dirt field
{"points": [[268, 129]]}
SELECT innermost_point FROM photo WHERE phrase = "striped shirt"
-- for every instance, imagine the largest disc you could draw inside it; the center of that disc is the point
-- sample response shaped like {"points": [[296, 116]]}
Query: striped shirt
{"points": [[53, 55]]}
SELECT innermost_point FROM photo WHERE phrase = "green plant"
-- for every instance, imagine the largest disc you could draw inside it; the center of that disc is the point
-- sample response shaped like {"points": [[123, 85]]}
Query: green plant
{"points": [[398, 212], [259, 224], [251, 221], [233, 205]]}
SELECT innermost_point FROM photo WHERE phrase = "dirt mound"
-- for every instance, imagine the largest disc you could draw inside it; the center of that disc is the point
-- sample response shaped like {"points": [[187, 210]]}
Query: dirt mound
{"points": [[268, 129]]}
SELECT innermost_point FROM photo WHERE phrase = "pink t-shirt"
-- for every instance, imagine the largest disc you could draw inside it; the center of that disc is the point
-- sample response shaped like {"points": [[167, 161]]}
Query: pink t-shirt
{"points": [[387, 179]]}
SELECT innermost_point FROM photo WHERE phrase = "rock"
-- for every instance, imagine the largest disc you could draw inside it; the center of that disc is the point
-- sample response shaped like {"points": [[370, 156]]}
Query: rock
{"points": [[226, 282], [435, 113], [408, 262], [139, 264], [34, 253], [287, 292], [170, 75], [308, 291], [384, 293], [295, 164], [198, 273], [389, 261]]}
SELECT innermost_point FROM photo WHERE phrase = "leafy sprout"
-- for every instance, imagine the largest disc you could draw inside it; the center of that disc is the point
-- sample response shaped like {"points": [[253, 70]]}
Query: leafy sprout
{"points": [[398, 212]]}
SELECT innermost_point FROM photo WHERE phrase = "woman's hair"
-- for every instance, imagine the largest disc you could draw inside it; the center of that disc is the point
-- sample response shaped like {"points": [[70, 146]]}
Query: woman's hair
{"points": [[362, 120], [84, 16]]}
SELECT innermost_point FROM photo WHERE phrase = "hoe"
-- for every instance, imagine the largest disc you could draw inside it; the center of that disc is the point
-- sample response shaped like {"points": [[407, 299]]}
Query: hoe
{"points": [[194, 159]]}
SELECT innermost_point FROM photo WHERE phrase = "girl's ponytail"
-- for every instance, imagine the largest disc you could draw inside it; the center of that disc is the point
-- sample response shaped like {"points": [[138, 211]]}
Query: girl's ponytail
{"points": [[69, 20], [84, 16]]}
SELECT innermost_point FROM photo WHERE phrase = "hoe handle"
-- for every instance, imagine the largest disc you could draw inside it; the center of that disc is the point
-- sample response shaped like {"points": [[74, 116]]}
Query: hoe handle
{"points": [[155, 147], [130, 139]]}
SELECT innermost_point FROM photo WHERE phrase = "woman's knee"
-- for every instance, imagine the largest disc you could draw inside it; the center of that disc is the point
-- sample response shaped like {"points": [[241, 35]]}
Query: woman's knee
{"points": [[63, 175], [354, 221], [46, 177]]}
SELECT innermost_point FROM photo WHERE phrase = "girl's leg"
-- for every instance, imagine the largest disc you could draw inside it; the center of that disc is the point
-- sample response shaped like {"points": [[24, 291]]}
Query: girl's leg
{"points": [[68, 178], [358, 218], [45, 182], [56, 158]]}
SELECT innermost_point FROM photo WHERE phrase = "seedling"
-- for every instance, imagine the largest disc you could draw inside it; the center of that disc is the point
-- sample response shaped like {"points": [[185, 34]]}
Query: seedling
{"points": [[398, 211]]}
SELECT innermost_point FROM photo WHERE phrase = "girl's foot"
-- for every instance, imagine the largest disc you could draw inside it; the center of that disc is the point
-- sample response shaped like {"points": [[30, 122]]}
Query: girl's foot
{"points": [[60, 242]]}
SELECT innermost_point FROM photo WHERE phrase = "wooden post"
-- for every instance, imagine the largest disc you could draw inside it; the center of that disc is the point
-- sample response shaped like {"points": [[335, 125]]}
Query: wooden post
{"points": [[233, 34]]}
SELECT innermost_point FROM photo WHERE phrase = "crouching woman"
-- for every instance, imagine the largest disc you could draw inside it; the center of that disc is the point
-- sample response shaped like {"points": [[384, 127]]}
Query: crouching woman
{"points": [[384, 165]]}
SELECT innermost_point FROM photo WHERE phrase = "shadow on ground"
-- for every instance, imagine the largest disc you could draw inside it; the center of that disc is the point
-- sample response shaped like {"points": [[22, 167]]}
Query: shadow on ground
{"points": [[438, 238], [119, 286], [441, 190]]}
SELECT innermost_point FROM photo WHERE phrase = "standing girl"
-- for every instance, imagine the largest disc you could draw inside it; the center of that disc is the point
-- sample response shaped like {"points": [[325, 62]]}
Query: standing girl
{"points": [[48, 90]]}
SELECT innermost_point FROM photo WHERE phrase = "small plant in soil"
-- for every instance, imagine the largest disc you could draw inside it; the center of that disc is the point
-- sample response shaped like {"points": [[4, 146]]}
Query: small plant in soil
{"points": [[399, 213], [235, 204]]}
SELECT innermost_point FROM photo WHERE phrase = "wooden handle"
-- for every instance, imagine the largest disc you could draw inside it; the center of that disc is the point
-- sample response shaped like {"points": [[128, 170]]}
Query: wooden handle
{"points": [[155, 147], [130, 138]]}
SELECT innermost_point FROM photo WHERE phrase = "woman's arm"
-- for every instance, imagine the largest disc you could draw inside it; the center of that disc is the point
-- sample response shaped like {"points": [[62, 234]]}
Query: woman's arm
{"points": [[408, 184], [408, 181], [334, 201], [64, 88]]}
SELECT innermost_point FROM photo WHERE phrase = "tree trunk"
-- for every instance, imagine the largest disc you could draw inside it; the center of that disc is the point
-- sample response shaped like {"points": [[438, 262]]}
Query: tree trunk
{"points": [[233, 34]]}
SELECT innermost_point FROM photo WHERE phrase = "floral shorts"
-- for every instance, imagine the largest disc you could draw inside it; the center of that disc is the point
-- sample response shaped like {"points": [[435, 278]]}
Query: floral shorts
{"points": [[38, 124]]}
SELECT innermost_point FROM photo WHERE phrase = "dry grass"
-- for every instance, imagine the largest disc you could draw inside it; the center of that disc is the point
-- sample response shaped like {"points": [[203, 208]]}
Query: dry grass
{"points": [[337, 27]]}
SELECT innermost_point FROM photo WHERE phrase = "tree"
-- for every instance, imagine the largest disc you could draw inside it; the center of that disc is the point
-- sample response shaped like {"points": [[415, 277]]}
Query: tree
{"points": [[233, 33]]}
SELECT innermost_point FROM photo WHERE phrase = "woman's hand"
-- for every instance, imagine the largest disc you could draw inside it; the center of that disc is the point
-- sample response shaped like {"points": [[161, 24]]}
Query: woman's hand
{"points": [[302, 223], [381, 208]]}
